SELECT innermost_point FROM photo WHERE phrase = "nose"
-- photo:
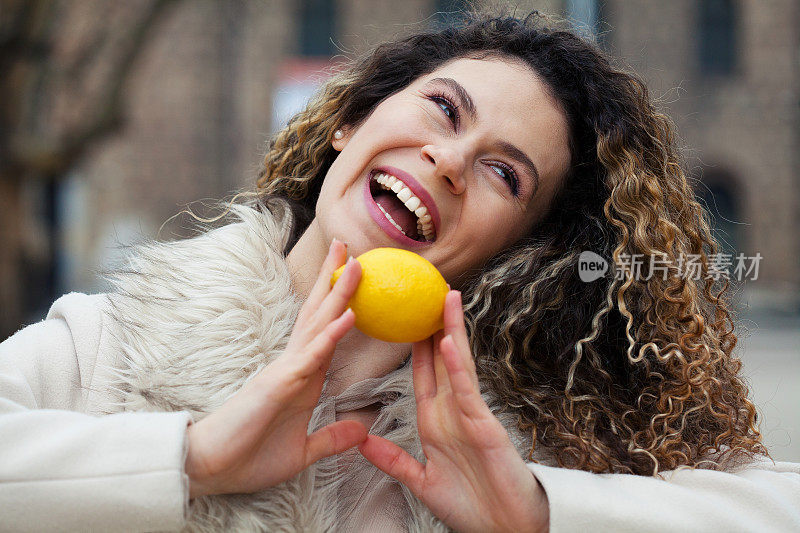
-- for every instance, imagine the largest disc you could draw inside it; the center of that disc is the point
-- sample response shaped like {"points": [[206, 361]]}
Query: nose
{"points": [[448, 164]]}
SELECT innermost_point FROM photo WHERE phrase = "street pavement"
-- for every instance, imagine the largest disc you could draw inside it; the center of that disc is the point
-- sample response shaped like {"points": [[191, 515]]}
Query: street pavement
{"points": [[769, 347]]}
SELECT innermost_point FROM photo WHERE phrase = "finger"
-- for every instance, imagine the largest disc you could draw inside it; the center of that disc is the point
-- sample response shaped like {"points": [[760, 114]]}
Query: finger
{"points": [[317, 354], [422, 370], [336, 301], [337, 253], [394, 461], [465, 391], [440, 371], [454, 326], [334, 438]]}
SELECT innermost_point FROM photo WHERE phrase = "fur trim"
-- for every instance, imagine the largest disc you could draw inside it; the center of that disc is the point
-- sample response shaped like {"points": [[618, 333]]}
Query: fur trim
{"points": [[196, 319]]}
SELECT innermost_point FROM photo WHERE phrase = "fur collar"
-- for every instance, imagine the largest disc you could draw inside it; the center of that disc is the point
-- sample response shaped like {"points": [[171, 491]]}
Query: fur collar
{"points": [[199, 317]]}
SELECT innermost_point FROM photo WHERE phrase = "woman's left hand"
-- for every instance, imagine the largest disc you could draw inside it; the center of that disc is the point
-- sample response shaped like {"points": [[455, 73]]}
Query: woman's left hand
{"points": [[473, 479]]}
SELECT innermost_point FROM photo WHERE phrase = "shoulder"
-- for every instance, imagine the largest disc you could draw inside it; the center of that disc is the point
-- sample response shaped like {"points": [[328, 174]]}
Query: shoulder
{"points": [[93, 338], [50, 363], [83, 316]]}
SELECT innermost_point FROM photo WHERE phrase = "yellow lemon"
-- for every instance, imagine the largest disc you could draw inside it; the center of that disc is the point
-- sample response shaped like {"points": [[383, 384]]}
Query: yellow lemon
{"points": [[400, 297]]}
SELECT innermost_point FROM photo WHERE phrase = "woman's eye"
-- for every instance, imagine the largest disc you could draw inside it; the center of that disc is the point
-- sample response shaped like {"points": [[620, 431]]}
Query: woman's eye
{"points": [[508, 175], [448, 108]]}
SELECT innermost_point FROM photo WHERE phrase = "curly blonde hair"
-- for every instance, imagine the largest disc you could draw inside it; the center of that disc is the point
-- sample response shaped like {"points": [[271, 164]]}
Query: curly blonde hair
{"points": [[631, 373]]}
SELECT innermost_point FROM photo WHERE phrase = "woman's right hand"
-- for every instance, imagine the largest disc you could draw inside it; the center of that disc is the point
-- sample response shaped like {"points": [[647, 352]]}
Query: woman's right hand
{"points": [[259, 437]]}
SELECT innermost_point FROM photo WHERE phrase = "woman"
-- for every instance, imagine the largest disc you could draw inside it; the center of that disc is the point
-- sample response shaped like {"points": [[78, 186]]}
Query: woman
{"points": [[524, 148]]}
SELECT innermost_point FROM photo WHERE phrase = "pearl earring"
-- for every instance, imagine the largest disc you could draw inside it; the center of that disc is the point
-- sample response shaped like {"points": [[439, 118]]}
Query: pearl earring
{"points": [[338, 134]]}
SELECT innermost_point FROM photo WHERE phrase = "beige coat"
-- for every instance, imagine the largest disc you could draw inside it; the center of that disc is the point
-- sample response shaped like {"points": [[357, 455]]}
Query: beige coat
{"points": [[95, 400]]}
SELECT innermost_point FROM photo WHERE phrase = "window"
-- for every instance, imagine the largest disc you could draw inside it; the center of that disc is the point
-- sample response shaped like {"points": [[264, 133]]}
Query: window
{"points": [[317, 27], [717, 39]]}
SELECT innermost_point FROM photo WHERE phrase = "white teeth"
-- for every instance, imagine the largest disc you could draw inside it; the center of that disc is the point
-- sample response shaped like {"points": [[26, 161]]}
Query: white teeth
{"points": [[390, 219], [412, 203]]}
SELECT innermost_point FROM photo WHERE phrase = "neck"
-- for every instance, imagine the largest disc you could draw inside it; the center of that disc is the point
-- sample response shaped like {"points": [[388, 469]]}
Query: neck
{"points": [[357, 356]]}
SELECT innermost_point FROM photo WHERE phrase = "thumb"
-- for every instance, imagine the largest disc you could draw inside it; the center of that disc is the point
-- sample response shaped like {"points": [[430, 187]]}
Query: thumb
{"points": [[394, 461], [334, 438]]}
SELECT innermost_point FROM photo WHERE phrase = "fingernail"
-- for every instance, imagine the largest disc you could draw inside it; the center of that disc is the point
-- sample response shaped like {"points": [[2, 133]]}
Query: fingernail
{"points": [[350, 259], [332, 243]]}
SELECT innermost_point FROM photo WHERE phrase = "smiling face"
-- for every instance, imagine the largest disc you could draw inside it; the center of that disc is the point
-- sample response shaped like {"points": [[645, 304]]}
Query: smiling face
{"points": [[479, 142]]}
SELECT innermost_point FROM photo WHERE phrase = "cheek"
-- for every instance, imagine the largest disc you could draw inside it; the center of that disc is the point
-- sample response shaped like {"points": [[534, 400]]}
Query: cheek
{"points": [[477, 242], [496, 221], [391, 125], [481, 242]]}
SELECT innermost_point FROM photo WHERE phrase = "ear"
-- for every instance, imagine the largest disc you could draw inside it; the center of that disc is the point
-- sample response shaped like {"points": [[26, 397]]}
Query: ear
{"points": [[339, 144]]}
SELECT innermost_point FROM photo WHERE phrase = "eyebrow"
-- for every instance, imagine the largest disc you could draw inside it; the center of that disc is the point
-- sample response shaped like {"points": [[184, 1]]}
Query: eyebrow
{"points": [[506, 148]]}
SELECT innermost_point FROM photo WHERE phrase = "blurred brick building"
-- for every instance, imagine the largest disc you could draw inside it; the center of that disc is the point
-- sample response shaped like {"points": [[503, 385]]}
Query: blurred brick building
{"points": [[728, 72], [219, 76]]}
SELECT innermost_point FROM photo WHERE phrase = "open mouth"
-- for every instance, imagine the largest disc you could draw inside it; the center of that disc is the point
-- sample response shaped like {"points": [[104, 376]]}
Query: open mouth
{"points": [[401, 207]]}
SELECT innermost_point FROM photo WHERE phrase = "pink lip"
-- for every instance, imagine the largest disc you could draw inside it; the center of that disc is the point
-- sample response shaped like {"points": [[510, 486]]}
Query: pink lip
{"points": [[377, 215], [418, 190]]}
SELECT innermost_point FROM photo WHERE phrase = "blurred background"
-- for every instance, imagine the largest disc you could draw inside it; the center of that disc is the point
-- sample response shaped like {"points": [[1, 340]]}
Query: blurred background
{"points": [[114, 115]]}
